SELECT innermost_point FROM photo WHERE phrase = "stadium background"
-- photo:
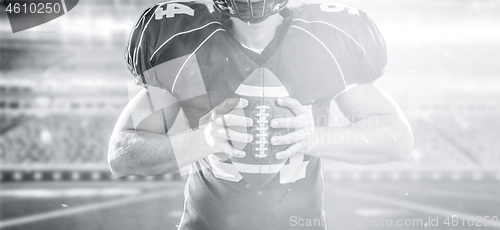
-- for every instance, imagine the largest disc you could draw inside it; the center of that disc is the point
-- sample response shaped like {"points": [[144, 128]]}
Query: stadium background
{"points": [[63, 85]]}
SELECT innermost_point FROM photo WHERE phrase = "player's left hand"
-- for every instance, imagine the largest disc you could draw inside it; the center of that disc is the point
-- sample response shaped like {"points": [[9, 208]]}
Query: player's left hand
{"points": [[302, 123]]}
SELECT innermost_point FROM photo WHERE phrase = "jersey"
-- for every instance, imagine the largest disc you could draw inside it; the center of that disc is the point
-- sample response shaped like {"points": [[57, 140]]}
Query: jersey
{"points": [[319, 51]]}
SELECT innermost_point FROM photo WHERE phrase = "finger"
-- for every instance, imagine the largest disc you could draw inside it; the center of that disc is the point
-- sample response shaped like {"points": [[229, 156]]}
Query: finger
{"points": [[234, 120], [232, 135], [290, 138], [229, 150], [225, 107], [291, 103], [243, 103], [222, 156], [229, 104], [290, 150]]}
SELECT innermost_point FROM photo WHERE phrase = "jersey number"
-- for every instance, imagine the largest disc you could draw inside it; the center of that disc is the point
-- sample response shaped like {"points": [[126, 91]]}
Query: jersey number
{"points": [[331, 7], [172, 10]]}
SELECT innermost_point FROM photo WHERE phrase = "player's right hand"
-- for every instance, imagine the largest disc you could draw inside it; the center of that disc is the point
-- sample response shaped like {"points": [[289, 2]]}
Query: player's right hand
{"points": [[218, 133]]}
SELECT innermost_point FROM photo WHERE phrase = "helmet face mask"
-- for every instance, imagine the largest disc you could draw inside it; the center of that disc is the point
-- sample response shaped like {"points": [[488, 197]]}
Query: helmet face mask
{"points": [[250, 11]]}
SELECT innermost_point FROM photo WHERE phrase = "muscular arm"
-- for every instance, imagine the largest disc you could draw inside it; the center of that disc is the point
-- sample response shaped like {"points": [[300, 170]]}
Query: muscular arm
{"points": [[147, 150], [379, 131]]}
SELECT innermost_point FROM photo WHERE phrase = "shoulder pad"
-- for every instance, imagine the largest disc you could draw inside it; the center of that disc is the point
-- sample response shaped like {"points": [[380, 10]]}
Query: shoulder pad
{"points": [[351, 28], [329, 12], [157, 29]]}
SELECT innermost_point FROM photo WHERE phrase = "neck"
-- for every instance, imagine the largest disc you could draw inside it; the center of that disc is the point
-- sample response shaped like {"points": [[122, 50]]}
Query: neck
{"points": [[256, 36]]}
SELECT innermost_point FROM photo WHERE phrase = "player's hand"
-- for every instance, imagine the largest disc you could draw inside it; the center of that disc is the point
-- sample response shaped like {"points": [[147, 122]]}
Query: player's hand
{"points": [[218, 132], [302, 123]]}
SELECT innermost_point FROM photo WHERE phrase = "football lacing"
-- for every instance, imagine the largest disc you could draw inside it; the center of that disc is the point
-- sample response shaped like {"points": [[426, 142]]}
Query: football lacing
{"points": [[262, 128]]}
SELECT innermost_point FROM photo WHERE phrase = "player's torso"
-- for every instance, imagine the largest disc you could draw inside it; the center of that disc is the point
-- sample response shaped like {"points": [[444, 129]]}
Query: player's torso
{"points": [[200, 57], [191, 54]]}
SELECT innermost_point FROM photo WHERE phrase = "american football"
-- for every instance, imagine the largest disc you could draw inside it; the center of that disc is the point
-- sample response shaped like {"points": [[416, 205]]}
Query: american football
{"points": [[261, 88]]}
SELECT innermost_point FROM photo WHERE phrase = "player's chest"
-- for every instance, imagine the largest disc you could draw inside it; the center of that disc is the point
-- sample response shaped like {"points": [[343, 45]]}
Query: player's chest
{"points": [[306, 68]]}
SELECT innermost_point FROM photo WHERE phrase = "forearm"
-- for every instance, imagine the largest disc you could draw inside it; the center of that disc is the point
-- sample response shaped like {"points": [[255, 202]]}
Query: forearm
{"points": [[375, 139], [147, 153]]}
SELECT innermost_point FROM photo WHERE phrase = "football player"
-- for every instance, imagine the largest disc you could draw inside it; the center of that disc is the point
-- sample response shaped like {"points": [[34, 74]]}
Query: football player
{"points": [[189, 58]]}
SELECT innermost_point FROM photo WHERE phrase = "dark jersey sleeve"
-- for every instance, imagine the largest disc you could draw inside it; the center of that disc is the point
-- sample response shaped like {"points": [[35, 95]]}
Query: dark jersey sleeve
{"points": [[135, 52], [164, 33], [351, 36], [167, 50], [373, 62]]}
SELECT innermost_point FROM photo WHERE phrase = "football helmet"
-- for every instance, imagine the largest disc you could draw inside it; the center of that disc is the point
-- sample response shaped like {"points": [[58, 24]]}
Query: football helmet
{"points": [[250, 10]]}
